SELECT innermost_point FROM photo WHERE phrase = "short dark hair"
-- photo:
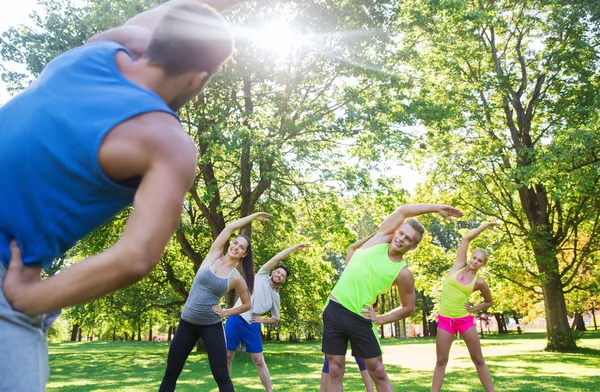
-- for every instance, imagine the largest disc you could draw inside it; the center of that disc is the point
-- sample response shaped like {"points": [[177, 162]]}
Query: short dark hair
{"points": [[190, 37], [285, 268]]}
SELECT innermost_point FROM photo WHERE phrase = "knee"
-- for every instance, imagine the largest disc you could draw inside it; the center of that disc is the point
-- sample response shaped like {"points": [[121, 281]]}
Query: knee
{"points": [[478, 361], [336, 368], [442, 361], [259, 362], [377, 371], [230, 355]]}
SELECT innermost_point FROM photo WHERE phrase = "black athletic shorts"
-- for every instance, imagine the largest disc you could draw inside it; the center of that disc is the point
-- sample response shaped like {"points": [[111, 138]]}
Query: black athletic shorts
{"points": [[341, 325]]}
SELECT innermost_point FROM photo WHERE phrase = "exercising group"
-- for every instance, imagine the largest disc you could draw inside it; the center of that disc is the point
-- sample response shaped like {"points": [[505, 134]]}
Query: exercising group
{"points": [[98, 131]]}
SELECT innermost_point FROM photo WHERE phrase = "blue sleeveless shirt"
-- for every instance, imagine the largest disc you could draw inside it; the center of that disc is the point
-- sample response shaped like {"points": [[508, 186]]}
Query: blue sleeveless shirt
{"points": [[52, 189]]}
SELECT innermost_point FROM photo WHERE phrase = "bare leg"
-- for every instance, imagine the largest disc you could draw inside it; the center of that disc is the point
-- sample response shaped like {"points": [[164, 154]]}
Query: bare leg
{"points": [[337, 367], [263, 371], [230, 356], [367, 380], [472, 340], [324, 381], [378, 374], [443, 342]]}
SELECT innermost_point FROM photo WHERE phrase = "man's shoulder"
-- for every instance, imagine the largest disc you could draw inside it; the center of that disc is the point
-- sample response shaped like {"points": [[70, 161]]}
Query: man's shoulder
{"points": [[405, 277], [156, 131], [140, 143]]}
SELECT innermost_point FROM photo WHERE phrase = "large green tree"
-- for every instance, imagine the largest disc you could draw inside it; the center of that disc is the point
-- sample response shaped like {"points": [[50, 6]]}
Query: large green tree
{"points": [[508, 93]]}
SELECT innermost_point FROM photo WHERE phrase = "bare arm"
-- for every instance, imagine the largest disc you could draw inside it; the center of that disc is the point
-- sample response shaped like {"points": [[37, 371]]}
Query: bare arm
{"points": [[168, 165], [260, 320], [406, 294], [482, 286], [216, 250], [352, 248], [461, 254], [239, 284], [134, 38], [136, 32], [396, 218], [150, 18], [282, 255]]}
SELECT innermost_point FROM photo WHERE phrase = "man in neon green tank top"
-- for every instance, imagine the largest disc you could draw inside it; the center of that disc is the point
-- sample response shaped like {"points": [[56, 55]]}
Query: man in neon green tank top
{"points": [[373, 270]]}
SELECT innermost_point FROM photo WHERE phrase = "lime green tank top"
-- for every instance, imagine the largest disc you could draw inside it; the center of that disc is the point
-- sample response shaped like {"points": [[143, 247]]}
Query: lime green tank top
{"points": [[369, 273], [454, 295]]}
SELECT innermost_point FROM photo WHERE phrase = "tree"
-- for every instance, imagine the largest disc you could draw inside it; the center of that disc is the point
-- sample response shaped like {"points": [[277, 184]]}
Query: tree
{"points": [[507, 91]]}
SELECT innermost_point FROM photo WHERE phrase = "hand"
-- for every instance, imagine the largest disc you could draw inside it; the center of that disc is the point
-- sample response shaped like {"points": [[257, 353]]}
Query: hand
{"points": [[218, 310], [19, 279], [261, 216], [301, 247], [449, 212], [256, 319], [469, 308], [491, 225], [370, 314]]}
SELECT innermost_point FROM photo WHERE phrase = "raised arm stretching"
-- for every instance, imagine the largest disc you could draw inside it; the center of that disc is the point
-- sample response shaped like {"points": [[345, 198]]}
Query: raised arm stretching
{"points": [[396, 218], [461, 254], [269, 265], [216, 250]]}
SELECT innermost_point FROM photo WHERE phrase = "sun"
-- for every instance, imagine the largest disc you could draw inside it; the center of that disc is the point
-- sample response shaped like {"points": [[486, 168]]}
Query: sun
{"points": [[277, 37]]}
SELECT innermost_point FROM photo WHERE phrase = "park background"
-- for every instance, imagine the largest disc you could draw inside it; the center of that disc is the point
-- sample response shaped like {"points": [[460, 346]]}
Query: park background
{"points": [[330, 115]]}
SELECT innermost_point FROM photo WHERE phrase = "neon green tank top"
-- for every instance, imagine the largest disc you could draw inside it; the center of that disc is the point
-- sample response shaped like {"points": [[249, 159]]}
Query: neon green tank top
{"points": [[454, 295], [369, 273]]}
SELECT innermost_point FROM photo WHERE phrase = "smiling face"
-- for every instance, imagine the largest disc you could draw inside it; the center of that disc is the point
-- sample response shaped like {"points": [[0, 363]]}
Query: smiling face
{"points": [[405, 239], [478, 260], [238, 248], [278, 276]]}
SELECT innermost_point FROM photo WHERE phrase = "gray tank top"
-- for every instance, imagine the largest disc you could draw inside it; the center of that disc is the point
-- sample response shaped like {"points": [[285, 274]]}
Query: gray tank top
{"points": [[206, 291]]}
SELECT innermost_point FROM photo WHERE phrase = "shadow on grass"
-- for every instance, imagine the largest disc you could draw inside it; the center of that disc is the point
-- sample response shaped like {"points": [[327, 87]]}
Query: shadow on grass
{"points": [[139, 366]]}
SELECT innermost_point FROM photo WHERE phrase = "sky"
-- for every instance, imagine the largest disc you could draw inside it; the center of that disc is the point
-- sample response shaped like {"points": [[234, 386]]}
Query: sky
{"points": [[11, 15], [18, 13]]}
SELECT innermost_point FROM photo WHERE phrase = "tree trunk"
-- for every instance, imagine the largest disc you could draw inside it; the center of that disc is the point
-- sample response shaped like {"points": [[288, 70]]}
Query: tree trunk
{"points": [[536, 206], [424, 315], [139, 333], [382, 311], [560, 337], [169, 333], [516, 317], [150, 334], [578, 324], [481, 327], [501, 327], [594, 318], [433, 328], [79, 335], [74, 332], [503, 317], [114, 334]]}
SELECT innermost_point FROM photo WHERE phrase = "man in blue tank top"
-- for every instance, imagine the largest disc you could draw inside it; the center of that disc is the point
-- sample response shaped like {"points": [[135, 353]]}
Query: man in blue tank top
{"points": [[94, 133]]}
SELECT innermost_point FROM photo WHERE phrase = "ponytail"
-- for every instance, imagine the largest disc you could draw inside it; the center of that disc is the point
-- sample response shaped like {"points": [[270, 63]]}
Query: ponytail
{"points": [[248, 266]]}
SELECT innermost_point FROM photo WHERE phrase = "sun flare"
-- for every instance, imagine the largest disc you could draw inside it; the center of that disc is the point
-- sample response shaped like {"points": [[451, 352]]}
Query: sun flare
{"points": [[277, 37]]}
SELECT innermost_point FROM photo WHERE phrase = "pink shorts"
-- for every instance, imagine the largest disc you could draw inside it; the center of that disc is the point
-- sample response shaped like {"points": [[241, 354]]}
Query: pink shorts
{"points": [[453, 325]]}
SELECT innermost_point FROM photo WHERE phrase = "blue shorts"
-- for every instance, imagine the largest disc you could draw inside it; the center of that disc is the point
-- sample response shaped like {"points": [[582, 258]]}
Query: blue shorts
{"points": [[237, 329], [362, 366]]}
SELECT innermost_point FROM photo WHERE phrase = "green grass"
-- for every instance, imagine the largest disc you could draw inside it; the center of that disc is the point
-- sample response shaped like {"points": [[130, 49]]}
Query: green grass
{"points": [[517, 363]]}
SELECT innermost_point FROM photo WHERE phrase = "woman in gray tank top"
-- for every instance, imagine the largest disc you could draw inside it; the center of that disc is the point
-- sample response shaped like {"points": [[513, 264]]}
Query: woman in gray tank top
{"points": [[202, 316]]}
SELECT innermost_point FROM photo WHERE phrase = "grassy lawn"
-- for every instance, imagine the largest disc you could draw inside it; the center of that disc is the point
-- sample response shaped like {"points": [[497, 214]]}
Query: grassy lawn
{"points": [[517, 363]]}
